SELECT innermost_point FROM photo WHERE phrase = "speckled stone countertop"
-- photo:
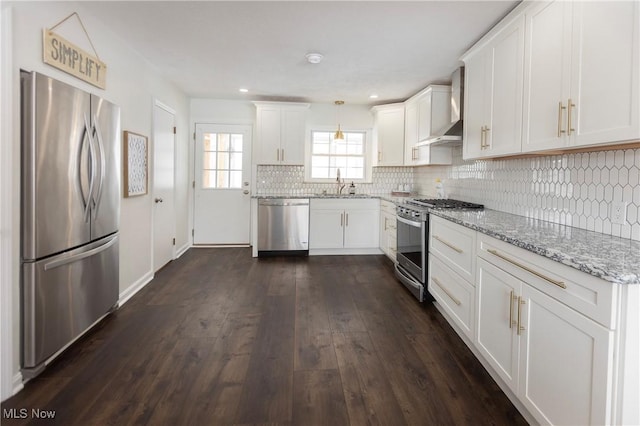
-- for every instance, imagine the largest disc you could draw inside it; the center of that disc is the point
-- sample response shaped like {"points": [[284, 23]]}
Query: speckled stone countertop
{"points": [[611, 258], [388, 197]]}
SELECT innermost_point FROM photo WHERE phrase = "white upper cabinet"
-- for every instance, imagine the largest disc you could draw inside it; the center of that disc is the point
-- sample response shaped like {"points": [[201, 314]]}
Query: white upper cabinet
{"points": [[426, 113], [280, 131], [388, 135], [493, 86], [581, 74]]}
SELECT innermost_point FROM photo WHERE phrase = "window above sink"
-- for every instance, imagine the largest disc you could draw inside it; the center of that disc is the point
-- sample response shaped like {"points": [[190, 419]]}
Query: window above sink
{"points": [[327, 155]]}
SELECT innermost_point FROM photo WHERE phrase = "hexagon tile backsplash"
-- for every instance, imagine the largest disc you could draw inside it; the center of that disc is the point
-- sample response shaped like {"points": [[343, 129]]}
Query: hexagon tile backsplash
{"points": [[289, 180], [570, 189]]}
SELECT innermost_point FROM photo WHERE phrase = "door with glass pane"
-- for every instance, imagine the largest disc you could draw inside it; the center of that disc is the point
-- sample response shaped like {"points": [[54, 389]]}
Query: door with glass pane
{"points": [[222, 178]]}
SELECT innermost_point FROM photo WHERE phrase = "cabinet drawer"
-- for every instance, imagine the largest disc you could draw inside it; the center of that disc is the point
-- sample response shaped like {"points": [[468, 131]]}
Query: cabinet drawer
{"points": [[455, 245], [347, 204], [585, 293], [454, 294]]}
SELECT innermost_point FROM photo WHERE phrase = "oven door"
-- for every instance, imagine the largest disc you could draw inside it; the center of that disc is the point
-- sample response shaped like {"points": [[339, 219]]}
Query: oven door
{"points": [[412, 248]]}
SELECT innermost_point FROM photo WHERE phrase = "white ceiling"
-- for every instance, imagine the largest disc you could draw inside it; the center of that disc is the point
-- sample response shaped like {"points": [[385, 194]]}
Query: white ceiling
{"points": [[392, 48]]}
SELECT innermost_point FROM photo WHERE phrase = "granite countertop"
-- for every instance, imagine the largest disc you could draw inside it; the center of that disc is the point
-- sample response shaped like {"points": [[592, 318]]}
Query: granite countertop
{"points": [[607, 257], [387, 197]]}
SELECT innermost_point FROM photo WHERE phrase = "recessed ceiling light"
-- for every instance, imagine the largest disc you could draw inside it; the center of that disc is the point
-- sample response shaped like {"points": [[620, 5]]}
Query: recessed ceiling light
{"points": [[374, 96], [314, 58], [243, 90]]}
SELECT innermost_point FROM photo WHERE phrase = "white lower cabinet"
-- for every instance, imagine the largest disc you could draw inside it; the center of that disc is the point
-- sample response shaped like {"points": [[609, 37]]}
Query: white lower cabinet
{"points": [[564, 375], [388, 229], [344, 224], [563, 344], [454, 294], [553, 358], [452, 257]]}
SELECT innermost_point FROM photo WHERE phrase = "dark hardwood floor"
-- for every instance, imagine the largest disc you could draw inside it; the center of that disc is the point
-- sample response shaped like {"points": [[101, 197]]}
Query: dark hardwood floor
{"points": [[220, 338]]}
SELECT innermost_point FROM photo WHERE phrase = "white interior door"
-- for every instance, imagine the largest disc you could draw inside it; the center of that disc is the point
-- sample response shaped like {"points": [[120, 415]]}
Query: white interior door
{"points": [[222, 178], [164, 212]]}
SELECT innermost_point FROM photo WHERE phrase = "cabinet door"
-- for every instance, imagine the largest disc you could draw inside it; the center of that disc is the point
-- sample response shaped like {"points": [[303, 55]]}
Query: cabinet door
{"points": [[410, 132], [269, 132], [326, 229], [503, 134], [361, 229], [424, 116], [605, 73], [564, 363], [390, 133], [475, 105], [547, 75], [293, 136], [496, 337]]}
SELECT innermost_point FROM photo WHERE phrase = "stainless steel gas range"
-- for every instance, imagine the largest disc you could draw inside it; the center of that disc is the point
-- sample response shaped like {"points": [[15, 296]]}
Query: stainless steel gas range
{"points": [[413, 240]]}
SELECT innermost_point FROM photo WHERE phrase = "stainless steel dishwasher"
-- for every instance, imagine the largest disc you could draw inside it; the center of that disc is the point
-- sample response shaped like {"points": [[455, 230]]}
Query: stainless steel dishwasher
{"points": [[283, 226]]}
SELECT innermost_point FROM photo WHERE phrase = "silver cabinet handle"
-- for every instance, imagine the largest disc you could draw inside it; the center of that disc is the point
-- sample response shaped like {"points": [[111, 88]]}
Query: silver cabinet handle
{"points": [[560, 284], [282, 154], [347, 219], [245, 192], [448, 244], [341, 220], [277, 154], [158, 200], [456, 301]]}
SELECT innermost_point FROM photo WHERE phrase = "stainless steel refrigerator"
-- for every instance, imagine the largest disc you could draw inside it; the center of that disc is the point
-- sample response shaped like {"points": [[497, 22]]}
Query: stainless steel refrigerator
{"points": [[70, 214]]}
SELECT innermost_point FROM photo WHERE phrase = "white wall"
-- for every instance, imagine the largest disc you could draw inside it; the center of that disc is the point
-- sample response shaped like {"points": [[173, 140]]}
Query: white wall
{"points": [[133, 84]]}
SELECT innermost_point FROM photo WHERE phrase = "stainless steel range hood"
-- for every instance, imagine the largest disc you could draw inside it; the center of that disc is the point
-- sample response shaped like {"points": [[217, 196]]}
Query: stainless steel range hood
{"points": [[452, 133]]}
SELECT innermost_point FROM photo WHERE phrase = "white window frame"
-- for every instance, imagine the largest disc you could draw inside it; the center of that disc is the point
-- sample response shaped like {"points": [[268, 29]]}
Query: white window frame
{"points": [[368, 159]]}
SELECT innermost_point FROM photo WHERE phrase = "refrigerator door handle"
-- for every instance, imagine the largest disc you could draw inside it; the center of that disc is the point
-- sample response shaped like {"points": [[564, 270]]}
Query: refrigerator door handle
{"points": [[84, 199], [80, 256], [103, 165], [94, 166]]}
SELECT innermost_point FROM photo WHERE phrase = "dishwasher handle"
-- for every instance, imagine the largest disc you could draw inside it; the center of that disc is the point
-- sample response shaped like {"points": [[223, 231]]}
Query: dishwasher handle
{"points": [[283, 203]]}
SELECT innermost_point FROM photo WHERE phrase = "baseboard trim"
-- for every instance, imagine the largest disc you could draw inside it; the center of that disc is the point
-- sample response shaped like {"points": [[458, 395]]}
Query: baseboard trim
{"points": [[344, 251], [135, 287], [182, 250], [18, 385]]}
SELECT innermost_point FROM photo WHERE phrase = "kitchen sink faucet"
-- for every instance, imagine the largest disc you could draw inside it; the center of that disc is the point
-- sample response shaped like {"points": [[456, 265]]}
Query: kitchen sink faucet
{"points": [[339, 183]]}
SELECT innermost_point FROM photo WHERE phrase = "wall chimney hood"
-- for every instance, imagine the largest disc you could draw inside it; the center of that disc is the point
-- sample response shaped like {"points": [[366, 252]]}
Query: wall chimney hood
{"points": [[451, 133]]}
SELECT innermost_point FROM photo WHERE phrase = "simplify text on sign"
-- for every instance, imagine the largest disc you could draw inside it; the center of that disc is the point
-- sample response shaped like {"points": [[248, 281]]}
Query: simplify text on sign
{"points": [[69, 58]]}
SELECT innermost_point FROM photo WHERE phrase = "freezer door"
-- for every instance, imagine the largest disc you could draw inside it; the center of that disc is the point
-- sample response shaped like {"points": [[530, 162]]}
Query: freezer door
{"points": [[55, 166], [105, 200], [63, 295]]}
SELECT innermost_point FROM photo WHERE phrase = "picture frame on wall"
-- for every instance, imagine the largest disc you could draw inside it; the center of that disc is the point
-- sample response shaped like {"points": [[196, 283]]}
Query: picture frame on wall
{"points": [[135, 170]]}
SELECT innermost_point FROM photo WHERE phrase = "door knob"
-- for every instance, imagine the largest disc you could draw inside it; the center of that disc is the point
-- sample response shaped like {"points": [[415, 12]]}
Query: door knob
{"points": [[246, 184], [158, 200], [246, 191]]}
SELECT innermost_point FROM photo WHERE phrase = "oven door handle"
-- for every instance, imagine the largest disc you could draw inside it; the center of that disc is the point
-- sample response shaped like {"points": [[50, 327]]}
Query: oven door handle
{"points": [[410, 222]]}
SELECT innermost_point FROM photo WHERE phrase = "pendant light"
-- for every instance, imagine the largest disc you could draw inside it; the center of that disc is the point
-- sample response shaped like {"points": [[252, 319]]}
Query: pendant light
{"points": [[338, 135]]}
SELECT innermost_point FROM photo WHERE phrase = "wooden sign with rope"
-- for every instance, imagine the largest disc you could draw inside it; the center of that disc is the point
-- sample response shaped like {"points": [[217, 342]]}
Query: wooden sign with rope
{"points": [[66, 56]]}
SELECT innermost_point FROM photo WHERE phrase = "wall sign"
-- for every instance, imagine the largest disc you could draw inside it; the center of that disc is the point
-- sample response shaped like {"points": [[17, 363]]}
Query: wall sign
{"points": [[66, 56]]}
